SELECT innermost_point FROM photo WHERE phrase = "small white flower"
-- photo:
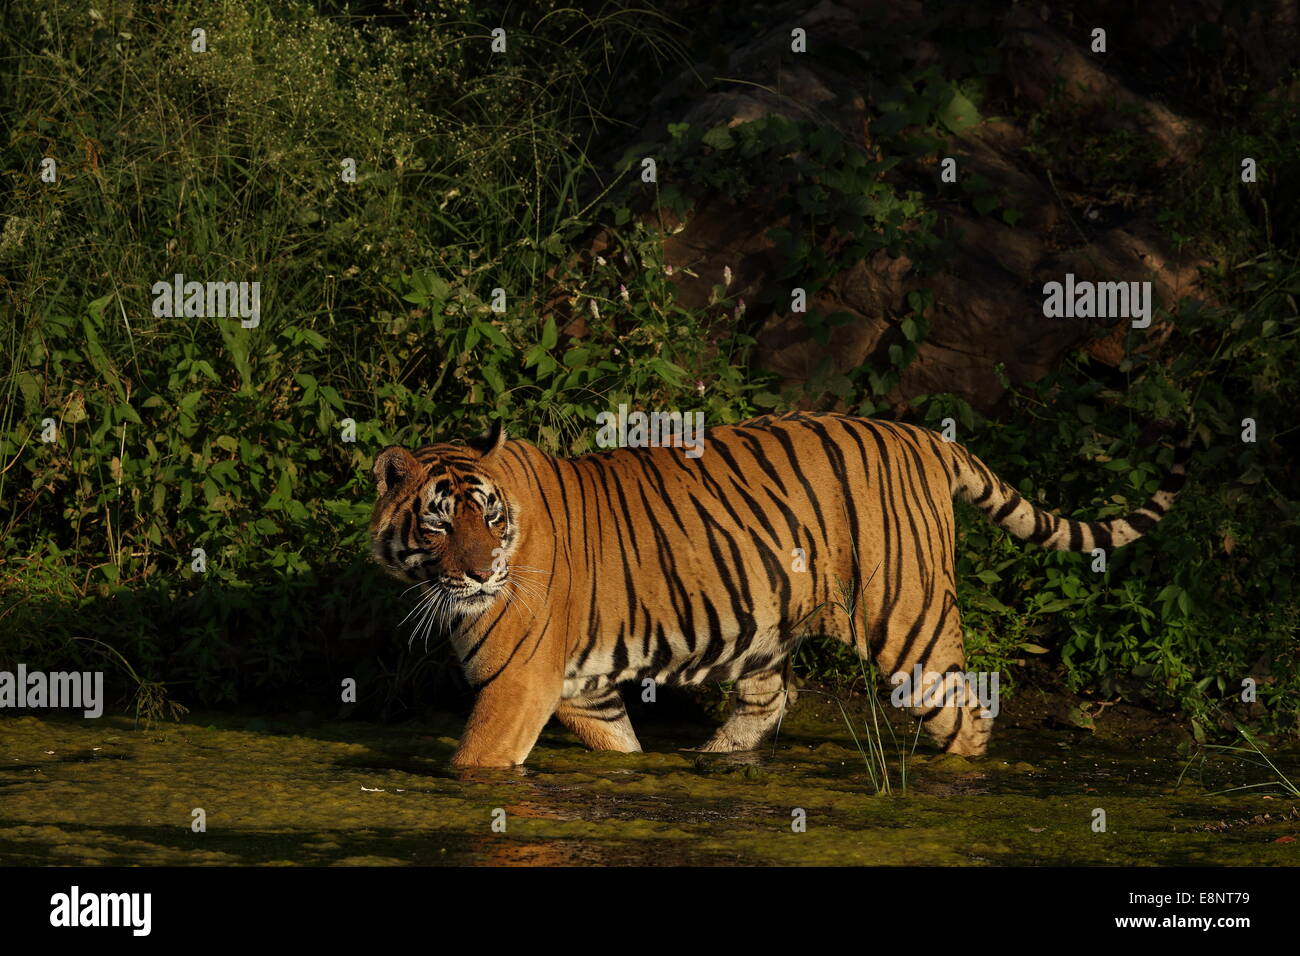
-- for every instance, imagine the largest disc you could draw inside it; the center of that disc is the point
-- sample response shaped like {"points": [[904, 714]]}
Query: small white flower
{"points": [[622, 293], [668, 270], [594, 309], [600, 260], [726, 277], [740, 308], [699, 385]]}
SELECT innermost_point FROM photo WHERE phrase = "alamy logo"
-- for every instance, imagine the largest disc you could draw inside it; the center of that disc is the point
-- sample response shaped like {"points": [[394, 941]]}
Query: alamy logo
{"points": [[1098, 300], [178, 298], [653, 430], [83, 690], [952, 689], [75, 908]]}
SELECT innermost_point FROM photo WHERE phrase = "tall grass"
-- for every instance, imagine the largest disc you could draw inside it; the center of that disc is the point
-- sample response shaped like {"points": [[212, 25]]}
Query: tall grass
{"points": [[1251, 755], [474, 172]]}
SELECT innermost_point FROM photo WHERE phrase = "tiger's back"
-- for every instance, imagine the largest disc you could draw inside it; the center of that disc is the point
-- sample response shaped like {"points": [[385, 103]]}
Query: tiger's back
{"points": [[645, 563]]}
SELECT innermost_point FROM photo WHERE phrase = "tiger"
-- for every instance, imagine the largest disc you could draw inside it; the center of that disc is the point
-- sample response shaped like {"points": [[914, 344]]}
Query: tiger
{"points": [[559, 579]]}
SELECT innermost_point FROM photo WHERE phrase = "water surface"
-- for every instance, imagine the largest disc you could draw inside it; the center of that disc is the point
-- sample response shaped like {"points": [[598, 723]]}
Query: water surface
{"points": [[302, 791]]}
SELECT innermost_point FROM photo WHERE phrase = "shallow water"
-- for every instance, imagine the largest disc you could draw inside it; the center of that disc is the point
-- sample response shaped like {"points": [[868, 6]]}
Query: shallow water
{"points": [[302, 791]]}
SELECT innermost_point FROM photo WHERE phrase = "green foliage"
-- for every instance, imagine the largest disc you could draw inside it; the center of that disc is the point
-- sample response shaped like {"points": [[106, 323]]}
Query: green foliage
{"points": [[1206, 600], [177, 434], [473, 174]]}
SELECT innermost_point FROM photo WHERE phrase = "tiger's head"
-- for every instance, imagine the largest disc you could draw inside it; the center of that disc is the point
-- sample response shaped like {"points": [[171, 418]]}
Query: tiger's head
{"points": [[443, 521]]}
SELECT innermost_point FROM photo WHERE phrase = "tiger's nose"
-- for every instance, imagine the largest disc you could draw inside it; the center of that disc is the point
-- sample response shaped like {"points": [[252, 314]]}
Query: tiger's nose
{"points": [[479, 576]]}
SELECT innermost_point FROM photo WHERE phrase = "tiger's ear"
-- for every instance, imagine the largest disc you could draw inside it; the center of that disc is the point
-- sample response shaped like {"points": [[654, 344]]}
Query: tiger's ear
{"points": [[490, 440], [393, 466]]}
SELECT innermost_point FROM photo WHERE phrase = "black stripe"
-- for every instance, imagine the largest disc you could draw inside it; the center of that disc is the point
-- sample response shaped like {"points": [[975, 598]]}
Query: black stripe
{"points": [[1008, 506], [1140, 523]]}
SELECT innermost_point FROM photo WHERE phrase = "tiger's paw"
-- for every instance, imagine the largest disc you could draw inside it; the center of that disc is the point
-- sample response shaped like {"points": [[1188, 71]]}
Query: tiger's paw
{"points": [[725, 743]]}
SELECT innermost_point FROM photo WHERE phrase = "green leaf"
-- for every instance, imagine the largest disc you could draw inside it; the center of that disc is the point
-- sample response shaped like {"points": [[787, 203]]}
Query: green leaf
{"points": [[1060, 604], [719, 137], [332, 396], [493, 378], [988, 602], [959, 113], [427, 290], [96, 309], [550, 335], [29, 385], [670, 373], [99, 358], [492, 334]]}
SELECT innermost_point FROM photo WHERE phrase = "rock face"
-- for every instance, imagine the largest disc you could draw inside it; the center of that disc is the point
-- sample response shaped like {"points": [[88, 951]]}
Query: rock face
{"points": [[988, 302]]}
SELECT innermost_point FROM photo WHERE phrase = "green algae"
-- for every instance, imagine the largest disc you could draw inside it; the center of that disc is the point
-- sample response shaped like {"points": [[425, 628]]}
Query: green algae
{"points": [[305, 792]]}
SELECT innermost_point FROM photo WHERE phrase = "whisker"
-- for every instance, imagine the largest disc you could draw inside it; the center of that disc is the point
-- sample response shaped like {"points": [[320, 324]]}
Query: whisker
{"points": [[425, 606], [443, 618], [418, 601], [512, 591], [533, 588], [521, 585]]}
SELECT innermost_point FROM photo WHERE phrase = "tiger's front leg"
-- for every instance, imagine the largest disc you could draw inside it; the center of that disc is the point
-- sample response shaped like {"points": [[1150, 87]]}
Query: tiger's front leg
{"points": [[508, 716], [600, 721]]}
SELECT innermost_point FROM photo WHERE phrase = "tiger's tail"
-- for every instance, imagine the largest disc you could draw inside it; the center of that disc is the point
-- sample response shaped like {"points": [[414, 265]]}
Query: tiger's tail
{"points": [[975, 482]]}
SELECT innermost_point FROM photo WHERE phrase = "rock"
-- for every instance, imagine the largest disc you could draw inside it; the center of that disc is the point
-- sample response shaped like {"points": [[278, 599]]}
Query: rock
{"points": [[987, 305], [1042, 63]]}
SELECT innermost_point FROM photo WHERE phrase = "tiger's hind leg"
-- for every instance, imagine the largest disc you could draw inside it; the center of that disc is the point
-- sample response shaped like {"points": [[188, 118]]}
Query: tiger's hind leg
{"points": [[600, 721], [951, 712], [961, 726], [760, 701]]}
